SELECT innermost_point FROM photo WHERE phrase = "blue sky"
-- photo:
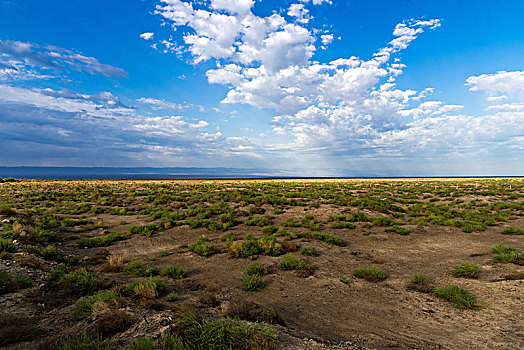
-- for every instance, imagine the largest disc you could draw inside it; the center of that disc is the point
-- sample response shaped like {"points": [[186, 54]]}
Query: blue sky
{"points": [[304, 87]]}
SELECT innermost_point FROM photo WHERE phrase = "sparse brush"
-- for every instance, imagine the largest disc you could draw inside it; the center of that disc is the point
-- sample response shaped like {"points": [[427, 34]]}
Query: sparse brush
{"points": [[149, 288], [84, 342], [136, 269], [84, 306], [290, 262], [421, 283], [201, 247], [370, 274], [309, 251], [252, 283], [255, 268], [512, 230], [461, 297], [80, 282], [173, 271], [6, 245], [172, 297], [115, 263], [346, 280], [505, 254], [222, 334], [466, 269]]}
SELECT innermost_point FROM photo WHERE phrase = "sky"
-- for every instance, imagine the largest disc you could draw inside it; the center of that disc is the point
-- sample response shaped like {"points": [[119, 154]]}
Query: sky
{"points": [[302, 87]]}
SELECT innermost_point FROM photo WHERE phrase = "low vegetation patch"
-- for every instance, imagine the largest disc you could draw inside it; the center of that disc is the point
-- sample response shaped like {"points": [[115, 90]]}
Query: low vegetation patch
{"points": [[7, 245], [309, 251], [370, 274], [136, 269], [173, 271], [421, 283], [80, 282], [202, 248], [290, 262], [512, 230], [9, 284], [466, 269], [252, 278], [506, 254], [101, 241], [461, 297], [192, 332], [84, 306], [148, 289]]}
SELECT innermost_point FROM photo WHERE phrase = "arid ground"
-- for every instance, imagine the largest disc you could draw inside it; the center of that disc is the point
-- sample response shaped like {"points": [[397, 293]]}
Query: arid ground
{"points": [[84, 262]]}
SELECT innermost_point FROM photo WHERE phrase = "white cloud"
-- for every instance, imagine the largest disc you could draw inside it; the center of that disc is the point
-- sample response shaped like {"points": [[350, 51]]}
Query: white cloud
{"points": [[300, 12], [326, 39], [26, 57], [147, 35], [160, 104], [240, 36], [233, 6], [501, 82], [317, 2]]}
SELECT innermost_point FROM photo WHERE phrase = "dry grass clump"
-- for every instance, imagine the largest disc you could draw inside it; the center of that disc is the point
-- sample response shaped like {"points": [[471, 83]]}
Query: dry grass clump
{"points": [[421, 283], [115, 263], [16, 328]]}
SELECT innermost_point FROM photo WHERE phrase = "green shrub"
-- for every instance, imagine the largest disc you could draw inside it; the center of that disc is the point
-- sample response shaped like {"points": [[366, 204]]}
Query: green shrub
{"points": [[200, 247], [52, 253], [278, 211], [421, 278], [101, 241], [290, 262], [59, 270], [329, 238], [146, 230], [346, 280], [84, 306], [343, 224], [269, 229], [9, 284], [228, 238], [505, 254], [173, 271], [370, 274], [258, 221], [269, 246], [309, 251], [421, 283], [252, 283], [85, 342], [461, 297], [399, 229], [149, 288], [223, 334], [6, 245], [80, 282], [255, 268], [144, 343], [466, 269], [512, 230], [244, 249], [136, 269], [172, 297], [45, 236]]}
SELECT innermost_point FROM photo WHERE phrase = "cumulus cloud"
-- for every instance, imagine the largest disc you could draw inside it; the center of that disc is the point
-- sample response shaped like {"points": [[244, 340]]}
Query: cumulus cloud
{"points": [[228, 30], [147, 35], [348, 107]]}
